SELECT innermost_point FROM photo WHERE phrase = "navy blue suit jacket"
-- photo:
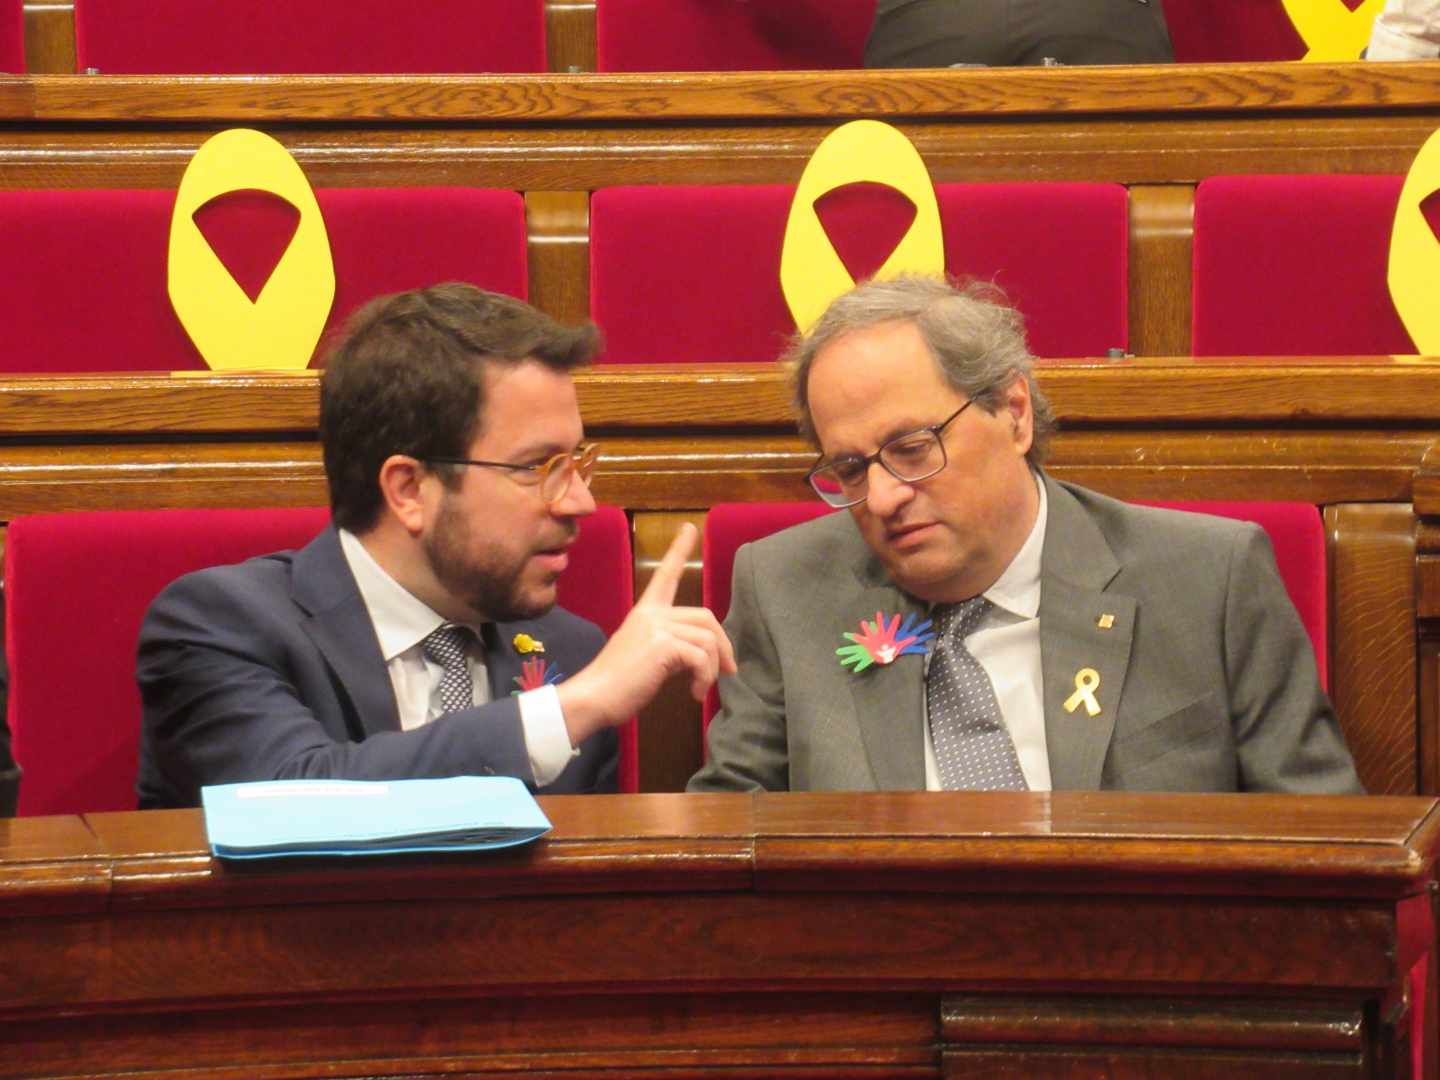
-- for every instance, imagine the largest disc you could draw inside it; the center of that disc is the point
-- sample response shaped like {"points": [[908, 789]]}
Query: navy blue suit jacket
{"points": [[270, 669]]}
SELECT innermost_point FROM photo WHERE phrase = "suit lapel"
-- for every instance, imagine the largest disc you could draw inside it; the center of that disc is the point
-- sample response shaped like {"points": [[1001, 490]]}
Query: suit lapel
{"points": [[888, 698], [502, 662], [1081, 626], [341, 628]]}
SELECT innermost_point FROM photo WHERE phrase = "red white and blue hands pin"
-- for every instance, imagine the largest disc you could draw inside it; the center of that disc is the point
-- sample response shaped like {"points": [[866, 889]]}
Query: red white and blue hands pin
{"points": [[884, 641]]}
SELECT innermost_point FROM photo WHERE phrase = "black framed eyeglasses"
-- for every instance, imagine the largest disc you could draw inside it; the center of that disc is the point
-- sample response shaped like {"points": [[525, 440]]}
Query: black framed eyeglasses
{"points": [[551, 476], [911, 457]]}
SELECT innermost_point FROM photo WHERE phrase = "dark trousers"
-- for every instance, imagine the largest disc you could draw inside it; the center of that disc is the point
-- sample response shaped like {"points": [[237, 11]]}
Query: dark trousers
{"points": [[1001, 33]]}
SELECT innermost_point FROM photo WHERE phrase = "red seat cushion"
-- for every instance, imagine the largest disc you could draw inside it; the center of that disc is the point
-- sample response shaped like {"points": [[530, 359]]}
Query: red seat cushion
{"points": [[1206, 31], [98, 301], [83, 582], [731, 35], [12, 37], [692, 274], [221, 37], [1295, 265]]}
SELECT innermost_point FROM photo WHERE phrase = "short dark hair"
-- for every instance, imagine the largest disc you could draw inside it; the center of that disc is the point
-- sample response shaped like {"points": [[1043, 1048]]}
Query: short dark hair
{"points": [[976, 337], [406, 376]]}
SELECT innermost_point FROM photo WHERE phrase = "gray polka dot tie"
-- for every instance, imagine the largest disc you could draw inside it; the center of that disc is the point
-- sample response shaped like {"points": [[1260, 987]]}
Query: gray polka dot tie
{"points": [[973, 748], [448, 647]]}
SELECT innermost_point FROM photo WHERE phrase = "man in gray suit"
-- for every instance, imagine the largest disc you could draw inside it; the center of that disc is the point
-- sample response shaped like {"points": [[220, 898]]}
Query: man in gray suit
{"points": [[1080, 643]]}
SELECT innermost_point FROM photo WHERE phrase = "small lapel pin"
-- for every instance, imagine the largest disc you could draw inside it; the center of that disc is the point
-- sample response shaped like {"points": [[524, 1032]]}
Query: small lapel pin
{"points": [[525, 644], [1106, 621], [1087, 681]]}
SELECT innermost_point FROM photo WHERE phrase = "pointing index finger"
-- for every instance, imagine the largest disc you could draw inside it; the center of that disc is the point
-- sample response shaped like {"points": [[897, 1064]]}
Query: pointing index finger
{"points": [[666, 579]]}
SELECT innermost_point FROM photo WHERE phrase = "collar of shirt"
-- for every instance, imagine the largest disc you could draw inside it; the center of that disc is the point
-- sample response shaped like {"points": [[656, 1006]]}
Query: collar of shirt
{"points": [[401, 620], [1017, 589]]}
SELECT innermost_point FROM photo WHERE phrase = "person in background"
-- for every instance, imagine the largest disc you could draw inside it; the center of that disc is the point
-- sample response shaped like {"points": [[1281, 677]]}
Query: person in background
{"points": [[1406, 30]]}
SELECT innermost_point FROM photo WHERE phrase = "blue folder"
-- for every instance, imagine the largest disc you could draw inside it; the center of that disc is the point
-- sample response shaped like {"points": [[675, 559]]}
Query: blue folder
{"points": [[273, 818]]}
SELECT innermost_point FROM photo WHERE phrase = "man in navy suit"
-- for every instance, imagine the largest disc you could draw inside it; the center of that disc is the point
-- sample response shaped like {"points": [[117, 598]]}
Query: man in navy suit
{"points": [[389, 647]]}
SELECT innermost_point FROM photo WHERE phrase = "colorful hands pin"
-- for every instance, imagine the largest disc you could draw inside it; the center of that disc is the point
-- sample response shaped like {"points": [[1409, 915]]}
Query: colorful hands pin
{"points": [[1414, 267], [279, 330], [534, 674], [883, 642], [812, 273], [1331, 31]]}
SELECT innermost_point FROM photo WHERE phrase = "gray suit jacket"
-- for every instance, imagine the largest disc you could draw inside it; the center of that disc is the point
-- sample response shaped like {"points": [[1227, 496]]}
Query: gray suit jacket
{"points": [[271, 670], [1207, 678]]}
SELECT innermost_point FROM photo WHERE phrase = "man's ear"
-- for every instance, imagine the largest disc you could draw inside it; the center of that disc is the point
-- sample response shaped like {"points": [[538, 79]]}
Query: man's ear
{"points": [[1017, 405], [402, 482]]}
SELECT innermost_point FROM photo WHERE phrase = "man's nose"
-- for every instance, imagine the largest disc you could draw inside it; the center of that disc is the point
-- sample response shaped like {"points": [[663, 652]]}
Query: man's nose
{"points": [[885, 493], [576, 501]]}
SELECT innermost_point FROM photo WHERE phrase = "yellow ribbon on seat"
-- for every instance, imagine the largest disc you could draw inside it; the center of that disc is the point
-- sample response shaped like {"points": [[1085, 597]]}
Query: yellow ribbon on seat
{"points": [[1332, 31], [1414, 270], [280, 328], [812, 273]]}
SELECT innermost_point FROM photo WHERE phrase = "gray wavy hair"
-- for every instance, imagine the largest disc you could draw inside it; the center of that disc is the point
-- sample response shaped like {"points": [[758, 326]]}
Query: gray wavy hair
{"points": [[975, 336]]}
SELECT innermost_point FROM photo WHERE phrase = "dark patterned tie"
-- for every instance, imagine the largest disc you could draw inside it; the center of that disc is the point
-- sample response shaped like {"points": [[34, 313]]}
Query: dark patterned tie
{"points": [[973, 748], [448, 647]]}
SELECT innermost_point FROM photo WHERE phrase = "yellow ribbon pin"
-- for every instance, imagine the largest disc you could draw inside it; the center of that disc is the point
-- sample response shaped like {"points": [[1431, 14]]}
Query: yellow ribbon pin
{"points": [[525, 644], [1087, 681], [1330, 29], [279, 330], [812, 273], [1414, 269]]}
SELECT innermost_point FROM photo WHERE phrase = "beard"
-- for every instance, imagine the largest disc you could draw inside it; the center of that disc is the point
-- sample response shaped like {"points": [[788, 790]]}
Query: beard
{"points": [[490, 578]]}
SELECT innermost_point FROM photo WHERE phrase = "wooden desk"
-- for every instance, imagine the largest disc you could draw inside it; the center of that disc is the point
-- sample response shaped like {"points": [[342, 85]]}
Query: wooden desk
{"points": [[806, 935]]}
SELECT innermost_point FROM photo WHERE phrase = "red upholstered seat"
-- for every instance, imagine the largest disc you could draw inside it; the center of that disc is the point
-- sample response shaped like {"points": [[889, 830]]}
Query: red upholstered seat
{"points": [[1295, 530], [1207, 31], [77, 587], [12, 37], [1289, 265], [692, 273], [731, 35], [283, 37], [98, 300]]}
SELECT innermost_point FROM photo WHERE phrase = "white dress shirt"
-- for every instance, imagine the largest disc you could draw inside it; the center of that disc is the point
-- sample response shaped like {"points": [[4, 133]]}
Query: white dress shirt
{"points": [[1007, 645], [1406, 30], [402, 623]]}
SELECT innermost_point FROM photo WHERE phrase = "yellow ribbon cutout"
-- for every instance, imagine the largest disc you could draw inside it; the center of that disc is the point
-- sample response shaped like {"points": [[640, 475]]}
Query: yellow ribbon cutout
{"points": [[1330, 29], [525, 644], [812, 273], [1414, 271], [1087, 681], [280, 329]]}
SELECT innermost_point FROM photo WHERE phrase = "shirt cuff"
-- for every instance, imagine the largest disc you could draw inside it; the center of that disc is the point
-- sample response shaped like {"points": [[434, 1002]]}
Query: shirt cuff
{"points": [[546, 738], [1385, 44]]}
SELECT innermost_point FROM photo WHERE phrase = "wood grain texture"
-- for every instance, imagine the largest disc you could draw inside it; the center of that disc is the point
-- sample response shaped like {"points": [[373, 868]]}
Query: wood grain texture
{"points": [[1162, 222], [1373, 645], [1121, 90], [50, 37], [557, 225], [570, 35]]}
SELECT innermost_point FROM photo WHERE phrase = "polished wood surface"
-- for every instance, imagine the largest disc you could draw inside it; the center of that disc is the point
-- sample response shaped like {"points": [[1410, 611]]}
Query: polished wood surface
{"points": [[735, 935]]}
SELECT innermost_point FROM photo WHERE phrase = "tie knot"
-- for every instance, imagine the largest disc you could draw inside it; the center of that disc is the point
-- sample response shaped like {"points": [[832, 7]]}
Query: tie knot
{"points": [[960, 619], [447, 645]]}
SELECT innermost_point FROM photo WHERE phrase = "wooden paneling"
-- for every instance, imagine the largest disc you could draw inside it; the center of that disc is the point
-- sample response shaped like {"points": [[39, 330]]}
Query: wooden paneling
{"points": [[1162, 220], [570, 35], [50, 37], [726, 936], [558, 227]]}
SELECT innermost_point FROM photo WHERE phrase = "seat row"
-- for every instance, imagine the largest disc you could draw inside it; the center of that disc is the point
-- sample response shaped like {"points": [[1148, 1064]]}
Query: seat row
{"points": [[1282, 265], [383, 36], [85, 579]]}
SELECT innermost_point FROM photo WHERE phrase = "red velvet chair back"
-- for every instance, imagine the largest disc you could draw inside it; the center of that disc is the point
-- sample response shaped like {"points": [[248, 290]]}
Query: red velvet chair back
{"points": [[1295, 530], [731, 35], [12, 37], [284, 37], [1295, 265], [692, 274], [97, 301], [1209, 31], [77, 587]]}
